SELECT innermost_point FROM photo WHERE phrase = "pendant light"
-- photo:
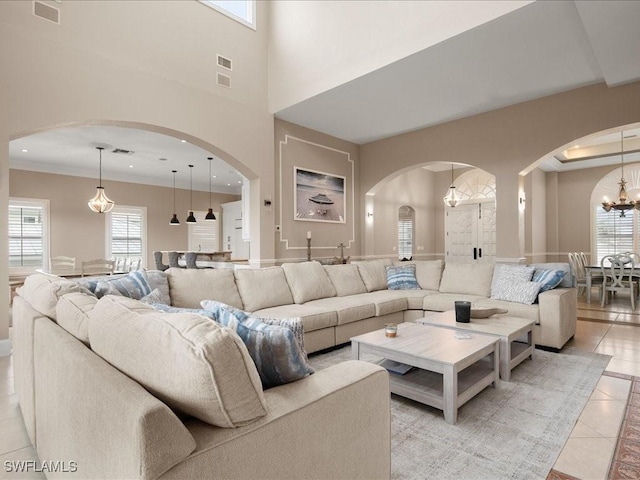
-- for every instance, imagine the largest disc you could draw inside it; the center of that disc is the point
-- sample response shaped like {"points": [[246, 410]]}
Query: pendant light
{"points": [[174, 219], [623, 204], [210, 216], [452, 198], [191, 218], [100, 203]]}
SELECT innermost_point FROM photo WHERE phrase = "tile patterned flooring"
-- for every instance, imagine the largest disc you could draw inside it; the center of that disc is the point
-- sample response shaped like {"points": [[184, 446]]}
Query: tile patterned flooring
{"points": [[604, 444]]}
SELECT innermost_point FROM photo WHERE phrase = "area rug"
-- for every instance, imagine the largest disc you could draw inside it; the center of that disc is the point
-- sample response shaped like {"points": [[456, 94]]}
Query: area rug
{"points": [[514, 431]]}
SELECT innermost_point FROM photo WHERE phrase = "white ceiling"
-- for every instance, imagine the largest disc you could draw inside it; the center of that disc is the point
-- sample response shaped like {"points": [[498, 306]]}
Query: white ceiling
{"points": [[541, 49], [71, 151]]}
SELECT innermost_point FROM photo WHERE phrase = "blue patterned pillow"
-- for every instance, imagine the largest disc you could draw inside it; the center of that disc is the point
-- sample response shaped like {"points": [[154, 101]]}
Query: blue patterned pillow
{"points": [[549, 278], [133, 285], [274, 349], [402, 278], [166, 308]]}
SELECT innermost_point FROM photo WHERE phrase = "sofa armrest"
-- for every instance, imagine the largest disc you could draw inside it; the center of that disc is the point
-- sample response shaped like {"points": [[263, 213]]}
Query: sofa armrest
{"points": [[335, 423], [558, 315], [91, 414]]}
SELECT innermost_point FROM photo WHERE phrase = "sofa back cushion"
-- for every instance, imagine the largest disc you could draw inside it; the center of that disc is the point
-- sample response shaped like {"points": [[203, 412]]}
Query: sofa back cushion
{"points": [[261, 288], [468, 279], [72, 311], [374, 274], [308, 281], [188, 361], [44, 291], [428, 272], [346, 279], [188, 286]]}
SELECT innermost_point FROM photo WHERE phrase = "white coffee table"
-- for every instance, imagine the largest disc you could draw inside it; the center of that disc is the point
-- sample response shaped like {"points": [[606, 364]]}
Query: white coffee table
{"points": [[507, 328], [449, 371]]}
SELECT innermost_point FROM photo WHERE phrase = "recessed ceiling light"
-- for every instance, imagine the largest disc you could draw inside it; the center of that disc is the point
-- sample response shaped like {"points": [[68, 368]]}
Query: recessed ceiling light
{"points": [[24, 150], [576, 146], [130, 166], [183, 141], [214, 176], [228, 184], [239, 181]]}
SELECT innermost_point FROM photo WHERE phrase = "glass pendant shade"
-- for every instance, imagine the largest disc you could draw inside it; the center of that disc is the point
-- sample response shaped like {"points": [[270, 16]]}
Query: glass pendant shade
{"points": [[191, 218], [210, 216], [100, 203], [452, 198], [174, 219]]}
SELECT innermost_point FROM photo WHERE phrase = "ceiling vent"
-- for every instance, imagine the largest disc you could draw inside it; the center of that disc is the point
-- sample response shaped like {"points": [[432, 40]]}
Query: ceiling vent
{"points": [[224, 62], [48, 12], [224, 80], [122, 151]]}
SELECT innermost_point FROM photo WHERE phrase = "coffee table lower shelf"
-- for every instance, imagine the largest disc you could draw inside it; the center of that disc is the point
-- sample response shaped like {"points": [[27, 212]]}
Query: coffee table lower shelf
{"points": [[428, 387]]}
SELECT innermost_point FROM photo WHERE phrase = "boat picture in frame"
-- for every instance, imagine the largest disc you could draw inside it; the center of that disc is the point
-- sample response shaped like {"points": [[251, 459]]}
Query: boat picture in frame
{"points": [[318, 196]]}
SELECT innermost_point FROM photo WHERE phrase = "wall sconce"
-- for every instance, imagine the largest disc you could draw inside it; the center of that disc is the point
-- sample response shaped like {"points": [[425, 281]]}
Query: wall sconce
{"points": [[267, 202], [522, 201], [369, 214]]}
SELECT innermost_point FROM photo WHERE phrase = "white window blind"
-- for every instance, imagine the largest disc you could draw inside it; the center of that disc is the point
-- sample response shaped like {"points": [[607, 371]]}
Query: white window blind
{"points": [[615, 234], [203, 235], [28, 241], [406, 220], [127, 232]]}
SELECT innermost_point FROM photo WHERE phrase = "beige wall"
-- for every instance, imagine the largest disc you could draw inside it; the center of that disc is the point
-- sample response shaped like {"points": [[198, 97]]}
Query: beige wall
{"points": [[296, 146], [140, 64], [536, 216], [505, 142], [75, 231]]}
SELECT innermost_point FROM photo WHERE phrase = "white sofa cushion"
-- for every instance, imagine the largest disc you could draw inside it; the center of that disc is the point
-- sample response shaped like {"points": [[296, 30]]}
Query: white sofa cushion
{"points": [[308, 281], [314, 317], [441, 302], [44, 291], [373, 274], [346, 279], [467, 279], [191, 363], [349, 309], [189, 286], [262, 288], [72, 311]]}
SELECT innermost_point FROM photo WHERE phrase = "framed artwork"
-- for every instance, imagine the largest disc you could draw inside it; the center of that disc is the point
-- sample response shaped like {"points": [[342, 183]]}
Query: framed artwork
{"points": [[318, 196]]}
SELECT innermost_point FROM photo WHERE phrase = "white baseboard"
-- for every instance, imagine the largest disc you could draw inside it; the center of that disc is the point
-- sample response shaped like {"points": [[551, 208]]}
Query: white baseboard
{"points": [[5, 348]]}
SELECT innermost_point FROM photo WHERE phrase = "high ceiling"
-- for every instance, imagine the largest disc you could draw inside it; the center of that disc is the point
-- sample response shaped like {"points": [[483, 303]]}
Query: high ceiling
{"points": [[540, 49]]}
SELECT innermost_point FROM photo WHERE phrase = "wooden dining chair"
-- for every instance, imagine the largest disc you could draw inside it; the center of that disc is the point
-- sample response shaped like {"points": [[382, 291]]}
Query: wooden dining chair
{"points": [[99, 266], [61, 262], [617, 272]]}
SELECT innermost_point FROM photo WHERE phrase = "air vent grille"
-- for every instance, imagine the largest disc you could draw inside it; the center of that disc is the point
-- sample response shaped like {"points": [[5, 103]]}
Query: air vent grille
{"points": [[122, 151], [48, 12], [224, 80], [225, 62]]}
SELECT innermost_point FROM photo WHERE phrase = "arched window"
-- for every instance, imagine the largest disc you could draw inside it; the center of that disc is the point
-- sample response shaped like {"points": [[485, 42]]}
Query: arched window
{"points": [[406, 226]]}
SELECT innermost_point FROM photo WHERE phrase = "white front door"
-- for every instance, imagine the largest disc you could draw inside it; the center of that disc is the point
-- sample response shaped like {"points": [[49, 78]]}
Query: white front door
{"points": [[470, 233]]}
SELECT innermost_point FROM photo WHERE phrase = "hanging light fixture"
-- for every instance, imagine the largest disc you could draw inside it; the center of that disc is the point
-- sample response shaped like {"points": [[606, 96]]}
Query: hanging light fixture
{"points": [[210, 216], [622, 205], [191, 218], [452, 198], [174, 219], [100, 203]]}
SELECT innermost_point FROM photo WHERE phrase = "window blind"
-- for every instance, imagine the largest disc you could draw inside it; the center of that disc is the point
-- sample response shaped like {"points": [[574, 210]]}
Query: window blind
{"points": [[405, 232], [203, 235], [126, 233], [615, 234], [26, 236]]}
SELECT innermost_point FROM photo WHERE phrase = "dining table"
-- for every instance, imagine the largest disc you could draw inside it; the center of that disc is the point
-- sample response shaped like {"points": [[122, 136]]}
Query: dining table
{"points": [[588, 275]]}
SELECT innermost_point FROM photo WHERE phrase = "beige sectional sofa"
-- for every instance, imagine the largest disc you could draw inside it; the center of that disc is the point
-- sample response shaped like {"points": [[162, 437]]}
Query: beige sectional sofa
{"points": [[333, 424], [97, 422], [337, 302]]}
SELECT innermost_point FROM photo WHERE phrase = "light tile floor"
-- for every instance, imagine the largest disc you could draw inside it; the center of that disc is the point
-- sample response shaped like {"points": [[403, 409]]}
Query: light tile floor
{"points": [[587, 455]]}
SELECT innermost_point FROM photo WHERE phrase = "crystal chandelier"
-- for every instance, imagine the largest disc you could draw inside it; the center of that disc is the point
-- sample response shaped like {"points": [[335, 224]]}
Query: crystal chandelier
{"points": [[623, 204], [100, 203], [452, 198]]}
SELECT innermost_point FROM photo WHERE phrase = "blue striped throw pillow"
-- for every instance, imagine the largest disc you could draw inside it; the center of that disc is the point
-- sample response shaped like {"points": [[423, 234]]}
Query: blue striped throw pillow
{"points": [[402, 278], [549, 278]]}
